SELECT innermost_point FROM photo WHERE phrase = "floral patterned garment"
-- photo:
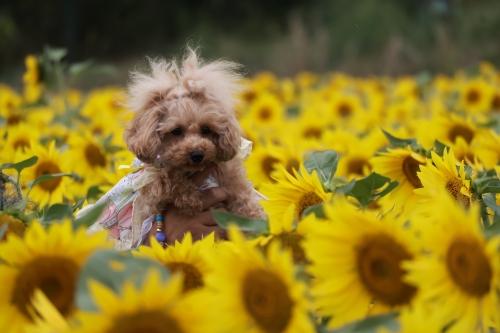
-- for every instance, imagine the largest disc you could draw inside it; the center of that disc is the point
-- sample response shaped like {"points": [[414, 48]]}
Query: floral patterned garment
{"points": [[123, 227]]}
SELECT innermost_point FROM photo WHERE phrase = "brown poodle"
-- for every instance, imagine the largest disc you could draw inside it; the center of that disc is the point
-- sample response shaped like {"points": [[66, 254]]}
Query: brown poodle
{"points": [[184, 120]]}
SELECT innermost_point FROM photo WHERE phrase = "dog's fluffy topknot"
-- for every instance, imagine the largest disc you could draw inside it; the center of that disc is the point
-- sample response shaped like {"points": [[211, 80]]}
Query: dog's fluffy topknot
{"points": [[216, 81]]}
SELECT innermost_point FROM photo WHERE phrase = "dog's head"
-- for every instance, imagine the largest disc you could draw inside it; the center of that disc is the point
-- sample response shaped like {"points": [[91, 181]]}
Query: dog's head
{"points": [[186, 116]]}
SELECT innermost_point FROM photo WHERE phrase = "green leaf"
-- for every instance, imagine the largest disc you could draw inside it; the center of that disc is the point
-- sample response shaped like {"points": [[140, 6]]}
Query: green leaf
{"points": [[44, 178], [3, 121], [20, 165], [94, 193], [78, 205], [372, 324], [316, 209], [57, 212], [364, 188], [79, 68], [438, 148], [324, 163], [344, 189], [91, 216], [224, 219], [493, 230], [492, 187], [55, 54], [112, 269], [490, 201], [400, 143]]}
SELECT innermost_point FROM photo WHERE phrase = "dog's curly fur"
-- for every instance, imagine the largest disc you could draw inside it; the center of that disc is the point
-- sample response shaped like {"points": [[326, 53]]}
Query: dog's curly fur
{"points": [[197, 100]]}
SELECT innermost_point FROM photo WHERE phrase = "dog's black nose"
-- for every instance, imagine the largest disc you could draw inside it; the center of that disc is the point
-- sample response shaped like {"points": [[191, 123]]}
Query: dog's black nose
{"points": [[197, 156]]}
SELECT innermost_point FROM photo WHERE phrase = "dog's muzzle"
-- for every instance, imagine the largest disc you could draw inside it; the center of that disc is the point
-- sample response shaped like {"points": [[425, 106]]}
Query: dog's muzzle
{"points": [[197, 156]]}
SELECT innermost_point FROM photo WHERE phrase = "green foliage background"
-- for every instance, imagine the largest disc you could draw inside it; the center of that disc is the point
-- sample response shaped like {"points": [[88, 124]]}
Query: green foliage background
{"points": [[284, 36]]}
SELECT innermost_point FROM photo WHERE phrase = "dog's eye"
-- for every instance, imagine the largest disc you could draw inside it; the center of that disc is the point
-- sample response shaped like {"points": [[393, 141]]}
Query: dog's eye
{"points": [[177, 132], [206, 130]]}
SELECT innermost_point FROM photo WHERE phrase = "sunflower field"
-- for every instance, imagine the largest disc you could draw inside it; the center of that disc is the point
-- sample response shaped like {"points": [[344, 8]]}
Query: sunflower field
{"points": [[383, 205]]}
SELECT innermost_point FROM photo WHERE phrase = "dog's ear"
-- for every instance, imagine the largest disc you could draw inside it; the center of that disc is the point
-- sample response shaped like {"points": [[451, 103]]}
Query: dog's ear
{"points": [[141, 136], [146, 93], [229, 140]]}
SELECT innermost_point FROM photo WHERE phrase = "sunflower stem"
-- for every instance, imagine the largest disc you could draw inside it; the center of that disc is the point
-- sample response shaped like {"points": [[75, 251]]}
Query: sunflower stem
{"points": [[61, 83]]}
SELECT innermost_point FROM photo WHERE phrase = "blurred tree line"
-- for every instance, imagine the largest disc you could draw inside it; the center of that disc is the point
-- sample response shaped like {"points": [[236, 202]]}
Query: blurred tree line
{"points": [[285, 36]]}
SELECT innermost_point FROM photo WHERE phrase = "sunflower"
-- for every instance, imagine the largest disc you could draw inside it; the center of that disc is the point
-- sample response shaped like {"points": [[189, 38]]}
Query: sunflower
{"points": [[14, 225], [300, 189], [19, 138], [288, 234], [356, 264], [417, 319], [449, 128], [49, 260], [31, 79], [488, 148], [49, 162], [45, 316], [261, 295], [10, 102], [443, 175], [461, 272], [266, 110], [184, 257], [262, 162], [156, 306], [310, 128], [73, 98], [475, 96], [88, 157], [344, 107], [355, 163], [401, 165], [105, 100], [467, 153]]}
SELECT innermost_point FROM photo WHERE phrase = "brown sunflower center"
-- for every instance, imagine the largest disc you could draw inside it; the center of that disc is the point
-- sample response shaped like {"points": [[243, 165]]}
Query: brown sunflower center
{"points": [[356, 165], [192, 276], [313, 133], [410, 168], [94, 156], [495, 103], [344, 110], [268, 163], [453, 186], [14, 119], [292, 241], [249, 95], [307, 200], [292, 163], [379, 267], [460, 130], [265, 113], [473, 96], [21, 143], [469, 267], [97, 130], [153, 321], [54, 276], [48, 168], [267, 300]]}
